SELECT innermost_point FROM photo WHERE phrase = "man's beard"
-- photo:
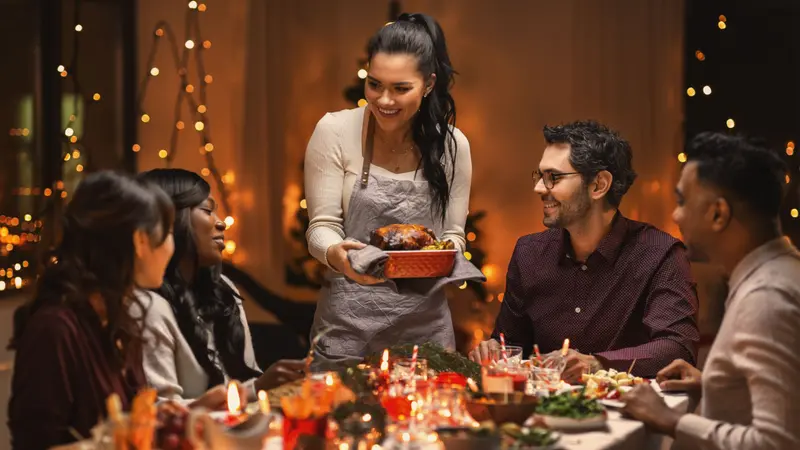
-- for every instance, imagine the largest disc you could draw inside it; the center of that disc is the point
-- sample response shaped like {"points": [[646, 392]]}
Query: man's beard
{"points": [[570, 211]]}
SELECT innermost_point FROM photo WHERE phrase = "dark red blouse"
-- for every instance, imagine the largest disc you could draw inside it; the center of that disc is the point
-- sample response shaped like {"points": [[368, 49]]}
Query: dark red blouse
{"points": [[62, 379]]}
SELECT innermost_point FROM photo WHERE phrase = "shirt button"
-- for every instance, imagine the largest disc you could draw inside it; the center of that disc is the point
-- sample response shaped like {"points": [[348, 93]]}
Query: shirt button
{"points": [[583, 267], [578, 310]]}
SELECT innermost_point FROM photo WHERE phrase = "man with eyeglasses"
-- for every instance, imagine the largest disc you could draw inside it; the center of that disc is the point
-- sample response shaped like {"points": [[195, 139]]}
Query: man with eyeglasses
{"points": [[619, 289]]}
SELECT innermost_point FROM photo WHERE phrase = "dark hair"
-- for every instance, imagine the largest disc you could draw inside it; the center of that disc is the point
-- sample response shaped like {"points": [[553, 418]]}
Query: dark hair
{"points": [[744, 170], [208, 298], [96, 256], [433, 127], [593, 148]]}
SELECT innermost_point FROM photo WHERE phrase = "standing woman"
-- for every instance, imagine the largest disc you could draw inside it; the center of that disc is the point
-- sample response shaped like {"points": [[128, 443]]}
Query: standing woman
{"points": [[418, 172], [78, 343]]}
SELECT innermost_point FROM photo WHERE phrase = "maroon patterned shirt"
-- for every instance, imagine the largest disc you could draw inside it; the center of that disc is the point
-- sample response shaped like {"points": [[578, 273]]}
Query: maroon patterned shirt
{"points": [[633, 298]]}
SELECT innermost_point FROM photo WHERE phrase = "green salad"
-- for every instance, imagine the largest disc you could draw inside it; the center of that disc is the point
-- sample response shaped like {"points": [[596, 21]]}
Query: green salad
{"points": [[573, 405], [516, 437]]}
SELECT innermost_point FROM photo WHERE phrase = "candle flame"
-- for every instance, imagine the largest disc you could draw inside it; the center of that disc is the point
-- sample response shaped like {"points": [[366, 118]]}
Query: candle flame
{"points": [[263, 402], [565, 348], [329, 380], [234, 402], [385, 360]]}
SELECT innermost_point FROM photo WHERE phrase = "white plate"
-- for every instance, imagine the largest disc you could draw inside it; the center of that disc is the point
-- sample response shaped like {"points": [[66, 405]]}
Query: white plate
{"points": [[567, 424]]}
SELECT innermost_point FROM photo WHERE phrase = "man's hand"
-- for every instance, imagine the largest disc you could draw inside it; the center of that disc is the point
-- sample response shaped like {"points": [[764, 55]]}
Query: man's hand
{"points": [[679, 375], [482, 353], [644, 404], [282, 372], [577, 364]]}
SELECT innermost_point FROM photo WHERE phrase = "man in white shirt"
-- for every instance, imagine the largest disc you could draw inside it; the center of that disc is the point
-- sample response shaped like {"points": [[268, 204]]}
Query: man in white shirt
{"points": [[729, 203]]}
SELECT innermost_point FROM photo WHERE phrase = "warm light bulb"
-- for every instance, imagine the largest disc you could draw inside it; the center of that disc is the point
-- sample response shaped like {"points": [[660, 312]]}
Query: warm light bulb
{"points": [[201, 7], [189, 44], [209, 147], [145, 118], [136, 148], [722, 18], [722, 25], [201, 109], [67, 157], [159, 32], [230, 247], [789, 151], [76, 154], [788, 179], [707, 90], [795, 213], [362, 73], [48, 192], [303, 204], [27, 218], [162, 153], [205, 172], [193, 4], [60, 68], [154, 71], [199, 126], [206, 44], [69, 131], [179, 124], [463, 286], [96, 97], [189, 88], [468, 256], [700, 55], [2, 285], [17, 266], [362, 102], [690, 92], [64, 74], [682, 157], [79, 168], [730, 123], [79, 28], [229, 222], [208, 79], [17, 282]]}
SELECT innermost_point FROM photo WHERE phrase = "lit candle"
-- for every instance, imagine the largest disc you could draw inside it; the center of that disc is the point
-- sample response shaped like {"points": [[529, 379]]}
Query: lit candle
{"points": [[565, 347], [234, 402], [263, 402], [385, 361]]}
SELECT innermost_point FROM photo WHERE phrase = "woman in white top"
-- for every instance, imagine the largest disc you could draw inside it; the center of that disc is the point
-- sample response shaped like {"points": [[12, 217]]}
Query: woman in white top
{"points": [[400, 159], [197, 336]]}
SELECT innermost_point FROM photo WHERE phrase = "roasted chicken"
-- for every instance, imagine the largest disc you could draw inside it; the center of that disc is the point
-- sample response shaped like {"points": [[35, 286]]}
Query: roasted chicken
{"points": [[406, 237]]}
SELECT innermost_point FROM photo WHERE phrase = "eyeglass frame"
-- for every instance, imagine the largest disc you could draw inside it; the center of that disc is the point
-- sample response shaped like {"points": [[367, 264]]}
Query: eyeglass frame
{"points": [[537, 175]]}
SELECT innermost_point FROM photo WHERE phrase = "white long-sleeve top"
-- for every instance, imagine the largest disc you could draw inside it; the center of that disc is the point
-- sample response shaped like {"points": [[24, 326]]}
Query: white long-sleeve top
{"points": [[750, 396], [333, 164], [169, 363]]}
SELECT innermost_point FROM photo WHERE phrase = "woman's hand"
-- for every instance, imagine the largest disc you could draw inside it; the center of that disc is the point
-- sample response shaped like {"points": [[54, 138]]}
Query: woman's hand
{"points": [[216, 398], [337, 258], [282, 372]]}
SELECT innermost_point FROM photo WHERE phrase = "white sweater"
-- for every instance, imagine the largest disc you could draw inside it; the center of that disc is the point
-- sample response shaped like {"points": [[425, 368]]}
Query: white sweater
{"points": [[333, 164], [169, 364]]}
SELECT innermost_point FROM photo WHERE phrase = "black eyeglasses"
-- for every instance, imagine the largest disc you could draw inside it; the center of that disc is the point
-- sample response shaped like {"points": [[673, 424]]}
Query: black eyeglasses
{"points": [[549, 178]]}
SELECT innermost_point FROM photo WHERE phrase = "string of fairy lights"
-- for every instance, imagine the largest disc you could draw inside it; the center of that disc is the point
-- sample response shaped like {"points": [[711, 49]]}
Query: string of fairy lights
{"points": [[191, 96], [20, 231], [730, 123]]}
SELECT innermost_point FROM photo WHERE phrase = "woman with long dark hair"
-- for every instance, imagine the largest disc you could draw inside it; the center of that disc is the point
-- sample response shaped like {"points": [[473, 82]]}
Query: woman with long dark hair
{"points": [[399, 159], [78, 343], [198, 334]]}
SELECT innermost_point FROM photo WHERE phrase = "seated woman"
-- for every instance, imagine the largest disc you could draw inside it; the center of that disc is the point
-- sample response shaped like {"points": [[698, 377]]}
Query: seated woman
{"points": [[78, 343], [198, 333]]}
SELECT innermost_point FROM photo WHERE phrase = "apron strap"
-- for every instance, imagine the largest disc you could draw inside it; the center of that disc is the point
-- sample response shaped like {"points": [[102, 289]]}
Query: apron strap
{"points": [[368, 150]]}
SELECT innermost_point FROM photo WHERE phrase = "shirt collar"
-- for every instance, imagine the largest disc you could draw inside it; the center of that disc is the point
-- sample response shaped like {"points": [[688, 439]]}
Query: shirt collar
{"points": [[756, 258], [609, 247]]}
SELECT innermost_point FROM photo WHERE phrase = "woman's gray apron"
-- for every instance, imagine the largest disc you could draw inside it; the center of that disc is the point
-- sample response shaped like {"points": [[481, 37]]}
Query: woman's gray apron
{"points": [[362, 320]]}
